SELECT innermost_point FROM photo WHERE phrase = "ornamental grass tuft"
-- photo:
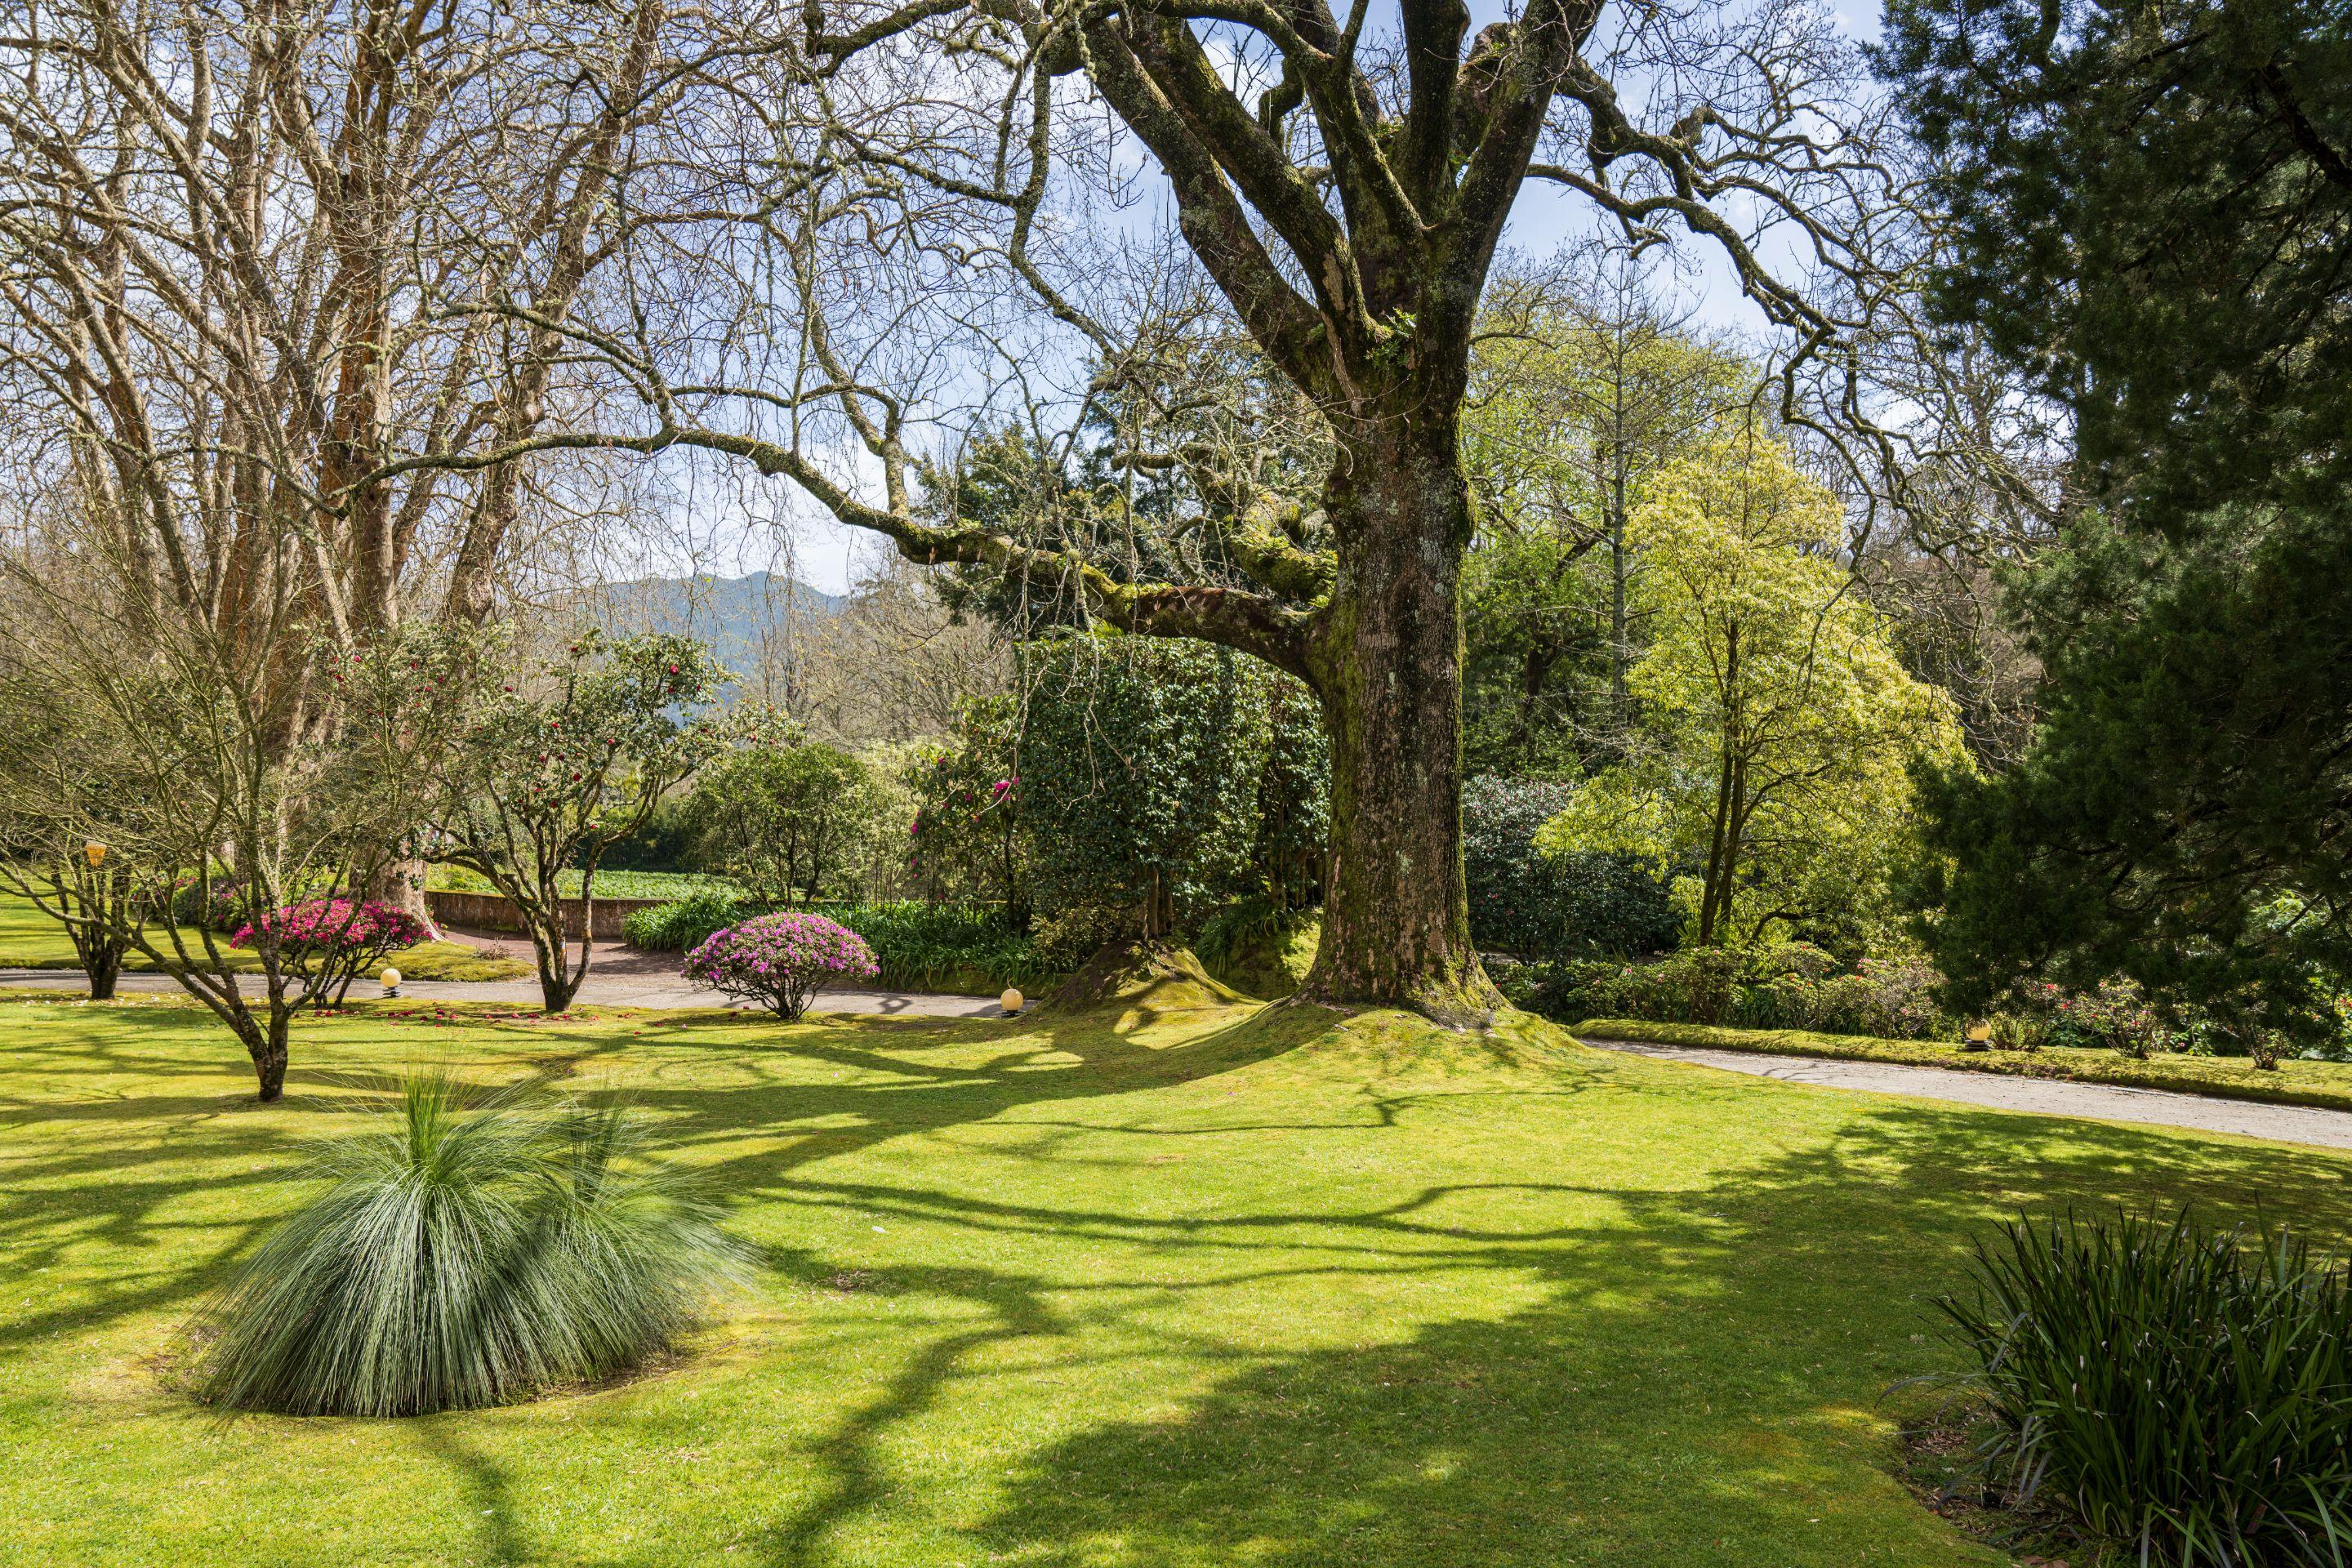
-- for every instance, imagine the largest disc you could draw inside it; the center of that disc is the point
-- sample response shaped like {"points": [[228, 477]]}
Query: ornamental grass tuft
{"points": [[2182, 1393], [464, 1254]]}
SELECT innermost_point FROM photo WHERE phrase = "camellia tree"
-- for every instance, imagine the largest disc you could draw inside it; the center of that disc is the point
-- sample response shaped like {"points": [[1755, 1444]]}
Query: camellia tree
{"points": [[536, 770], [1141, 766], [1778, 729], [966, 836]]}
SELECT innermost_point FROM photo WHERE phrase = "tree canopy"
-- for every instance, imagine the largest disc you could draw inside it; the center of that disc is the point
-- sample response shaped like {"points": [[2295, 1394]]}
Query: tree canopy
{"points": [[1769, 766], [2151, 209]]}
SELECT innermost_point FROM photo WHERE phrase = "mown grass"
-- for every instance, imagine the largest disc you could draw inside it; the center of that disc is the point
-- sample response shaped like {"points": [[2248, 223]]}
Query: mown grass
{"points": [[31, 940], [610, 884], [2327, 1085], [1226, 1286]]}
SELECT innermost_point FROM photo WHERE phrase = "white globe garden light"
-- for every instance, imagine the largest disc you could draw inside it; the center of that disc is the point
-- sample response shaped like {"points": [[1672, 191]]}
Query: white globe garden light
{"points": [[1009, 1002]]}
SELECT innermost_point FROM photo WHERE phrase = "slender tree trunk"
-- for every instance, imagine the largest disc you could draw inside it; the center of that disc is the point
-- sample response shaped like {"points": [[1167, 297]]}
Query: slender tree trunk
{"points": [[266, 1043], [556, 987], [103, 970], [1386, 662], [1722, 849], [559, 980]]}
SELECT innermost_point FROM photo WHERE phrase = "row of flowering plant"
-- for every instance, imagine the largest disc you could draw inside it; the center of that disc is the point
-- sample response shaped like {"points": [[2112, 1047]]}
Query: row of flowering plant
{"points": [[328, 942], [781, 961]]}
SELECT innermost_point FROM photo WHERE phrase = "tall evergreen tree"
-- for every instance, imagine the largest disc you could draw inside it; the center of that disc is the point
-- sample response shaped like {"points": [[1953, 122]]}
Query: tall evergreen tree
{"points": [[2150, 206]]}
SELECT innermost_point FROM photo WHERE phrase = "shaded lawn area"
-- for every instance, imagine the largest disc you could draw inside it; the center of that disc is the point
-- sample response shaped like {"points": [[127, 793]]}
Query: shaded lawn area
{"points": [[1223, 1287], [2327, 1085], [31, 940]]}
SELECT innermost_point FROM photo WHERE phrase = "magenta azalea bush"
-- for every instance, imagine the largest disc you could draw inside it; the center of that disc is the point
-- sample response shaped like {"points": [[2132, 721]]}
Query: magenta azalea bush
{"points": [[336, 925], [326, 941], [781, 961]]}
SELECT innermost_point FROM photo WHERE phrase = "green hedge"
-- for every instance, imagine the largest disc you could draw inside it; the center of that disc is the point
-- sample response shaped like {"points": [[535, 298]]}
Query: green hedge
{"points": [[920, 946]]}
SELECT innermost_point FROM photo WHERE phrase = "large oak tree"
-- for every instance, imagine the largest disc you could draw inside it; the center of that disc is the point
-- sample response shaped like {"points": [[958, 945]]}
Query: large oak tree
{"points": [[863, 211]]}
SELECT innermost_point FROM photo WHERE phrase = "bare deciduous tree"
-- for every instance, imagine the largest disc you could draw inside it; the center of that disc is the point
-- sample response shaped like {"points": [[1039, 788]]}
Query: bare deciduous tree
{"points": [[243, 427]]}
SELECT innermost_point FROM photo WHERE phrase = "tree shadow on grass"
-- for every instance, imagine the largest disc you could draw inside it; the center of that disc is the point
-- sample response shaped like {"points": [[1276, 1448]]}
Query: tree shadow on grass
{"points": [[1700, 1381], [1680, 1369], [101, 1150]]}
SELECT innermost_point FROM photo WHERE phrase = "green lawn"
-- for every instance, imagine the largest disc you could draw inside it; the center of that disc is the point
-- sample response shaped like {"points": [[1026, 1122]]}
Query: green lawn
{"points": [[1222, 1288], [2324, 1084], [610, 884], [31, 940]]}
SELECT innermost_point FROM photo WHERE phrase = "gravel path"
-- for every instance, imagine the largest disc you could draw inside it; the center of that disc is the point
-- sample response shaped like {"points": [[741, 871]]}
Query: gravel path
{"points": [[626, 986], [2044, 1097]]}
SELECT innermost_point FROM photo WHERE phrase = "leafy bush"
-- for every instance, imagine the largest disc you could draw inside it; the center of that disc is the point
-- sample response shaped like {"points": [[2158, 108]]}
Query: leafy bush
{"points": [[1790, 986], [326, 941], [785, 821], [2178, 1391], [945, 947], [1525, 902], [463, 1256], [2113, 1017], [209, 903], [781, 961], [684, 925], [966, 838]]}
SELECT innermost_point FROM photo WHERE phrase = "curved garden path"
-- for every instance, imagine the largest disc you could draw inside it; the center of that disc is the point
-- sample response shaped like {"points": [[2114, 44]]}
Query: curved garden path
{"points": [[2044, 1097]]}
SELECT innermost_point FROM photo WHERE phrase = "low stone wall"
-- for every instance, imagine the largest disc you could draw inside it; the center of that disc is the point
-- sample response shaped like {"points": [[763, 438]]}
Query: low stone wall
{"points": [[493, 911]]}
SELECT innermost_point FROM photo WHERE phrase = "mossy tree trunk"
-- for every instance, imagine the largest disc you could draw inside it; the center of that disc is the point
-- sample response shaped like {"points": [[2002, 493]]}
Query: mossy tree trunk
{"points": [[1385, 659]]}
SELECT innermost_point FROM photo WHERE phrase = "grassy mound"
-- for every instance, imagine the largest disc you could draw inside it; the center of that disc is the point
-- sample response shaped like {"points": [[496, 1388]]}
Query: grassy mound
{"points": [[1140, 982], [1267, 958]]}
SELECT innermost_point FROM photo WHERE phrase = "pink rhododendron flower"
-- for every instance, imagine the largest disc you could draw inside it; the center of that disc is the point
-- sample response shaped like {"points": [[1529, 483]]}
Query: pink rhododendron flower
{"points": [[781, 961]]}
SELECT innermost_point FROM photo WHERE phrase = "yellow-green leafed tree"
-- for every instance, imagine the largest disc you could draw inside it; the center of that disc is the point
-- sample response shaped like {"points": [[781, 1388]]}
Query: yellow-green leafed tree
{"points": [[1776, 724]]}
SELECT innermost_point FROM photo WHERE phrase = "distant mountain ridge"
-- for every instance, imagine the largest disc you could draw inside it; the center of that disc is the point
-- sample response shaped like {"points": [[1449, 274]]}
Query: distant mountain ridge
{"points": [[747, 621]]}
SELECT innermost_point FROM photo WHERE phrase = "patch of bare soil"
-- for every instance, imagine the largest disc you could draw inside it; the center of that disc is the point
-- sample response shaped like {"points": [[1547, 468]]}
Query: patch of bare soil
{"points": [[1939, 1465]]}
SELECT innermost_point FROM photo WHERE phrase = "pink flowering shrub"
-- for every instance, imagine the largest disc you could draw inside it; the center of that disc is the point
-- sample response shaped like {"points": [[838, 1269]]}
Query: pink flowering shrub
{"points": [[781, 961], [336, 925], [326, 941]]}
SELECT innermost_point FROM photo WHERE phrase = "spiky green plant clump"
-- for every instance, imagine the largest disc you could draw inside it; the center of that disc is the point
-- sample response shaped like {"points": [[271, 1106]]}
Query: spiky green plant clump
{"points": [[464, 1255], [2184, 1393]]}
